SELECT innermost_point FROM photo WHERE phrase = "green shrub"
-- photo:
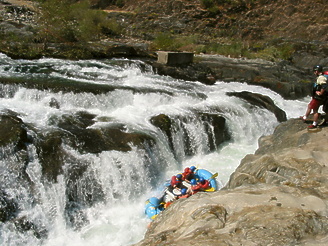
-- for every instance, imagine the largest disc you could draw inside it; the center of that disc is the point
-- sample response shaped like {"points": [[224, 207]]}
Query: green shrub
{"points": [[165, 41], [272, 51], [286, 51], [67, 21], [234, 49], [208, 3]]}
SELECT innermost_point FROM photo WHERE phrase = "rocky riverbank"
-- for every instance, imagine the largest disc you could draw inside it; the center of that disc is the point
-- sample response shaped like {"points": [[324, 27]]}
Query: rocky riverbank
{"points": [[277, 196]]}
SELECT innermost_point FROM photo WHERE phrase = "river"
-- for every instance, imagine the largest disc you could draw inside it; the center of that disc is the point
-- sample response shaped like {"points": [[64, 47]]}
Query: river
{"points": [[138, 95]]}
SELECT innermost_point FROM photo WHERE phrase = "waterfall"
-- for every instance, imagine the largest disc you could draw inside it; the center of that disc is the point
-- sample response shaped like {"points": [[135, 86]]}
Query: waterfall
{"points": [[98, 197]]}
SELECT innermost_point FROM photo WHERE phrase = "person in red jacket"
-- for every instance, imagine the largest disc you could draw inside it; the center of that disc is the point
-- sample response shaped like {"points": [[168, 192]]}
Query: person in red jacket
{"points": [[176, 181], [201, 185], [188, 174]]}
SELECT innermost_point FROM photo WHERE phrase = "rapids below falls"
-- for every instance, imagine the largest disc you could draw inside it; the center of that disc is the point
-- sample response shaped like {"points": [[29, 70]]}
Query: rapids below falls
{"points": [[125, 179]]}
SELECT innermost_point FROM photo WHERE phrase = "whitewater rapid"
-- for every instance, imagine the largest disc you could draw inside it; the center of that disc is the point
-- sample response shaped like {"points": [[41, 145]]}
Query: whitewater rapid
{"points": [[121, 221]]}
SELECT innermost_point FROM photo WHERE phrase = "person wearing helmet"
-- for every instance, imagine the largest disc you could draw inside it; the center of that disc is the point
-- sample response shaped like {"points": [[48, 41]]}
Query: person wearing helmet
{"points": [[176, 181], [201, 185], [193, 184], [318, 96], [183, 193], [154, 201], [188, 174], [193, 168], [153, 207]]}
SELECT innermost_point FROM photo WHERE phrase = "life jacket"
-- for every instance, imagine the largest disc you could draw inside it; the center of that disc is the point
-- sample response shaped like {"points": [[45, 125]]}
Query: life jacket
{"points": [[205, 185], [201, 186], [188, 174], [175, 181], [318, 86], [167, 204], [325, 73]]}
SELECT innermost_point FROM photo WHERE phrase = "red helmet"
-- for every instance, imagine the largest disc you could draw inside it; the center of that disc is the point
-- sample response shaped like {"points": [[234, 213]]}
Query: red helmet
{"points": [[187, 170]]}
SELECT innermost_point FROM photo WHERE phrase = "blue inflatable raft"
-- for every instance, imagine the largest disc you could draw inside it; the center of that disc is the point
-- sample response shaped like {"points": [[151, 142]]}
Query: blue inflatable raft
{"points": [[202, 173], [155, 206]]}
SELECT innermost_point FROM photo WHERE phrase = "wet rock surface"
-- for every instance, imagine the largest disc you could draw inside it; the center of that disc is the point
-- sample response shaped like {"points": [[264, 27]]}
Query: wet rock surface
{"points": [[214, 124], [12, 130], [277, 196], [262, 102]]}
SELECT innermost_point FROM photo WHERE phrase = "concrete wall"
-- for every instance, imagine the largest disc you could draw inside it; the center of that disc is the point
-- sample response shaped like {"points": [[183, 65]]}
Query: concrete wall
{"points": [[175, 58]]}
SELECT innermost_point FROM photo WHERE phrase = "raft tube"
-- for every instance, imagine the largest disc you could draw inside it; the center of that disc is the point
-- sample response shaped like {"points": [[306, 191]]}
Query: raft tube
{"points": [[202, 173], [153, 207]]}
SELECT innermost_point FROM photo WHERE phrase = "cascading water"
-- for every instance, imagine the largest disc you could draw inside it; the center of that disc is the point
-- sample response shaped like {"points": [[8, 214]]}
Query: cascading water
{"points": [[98, 198]]}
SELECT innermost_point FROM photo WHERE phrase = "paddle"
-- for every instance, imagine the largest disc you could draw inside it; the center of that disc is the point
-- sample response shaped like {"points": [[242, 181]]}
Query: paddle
{"points": [[214, 176]]}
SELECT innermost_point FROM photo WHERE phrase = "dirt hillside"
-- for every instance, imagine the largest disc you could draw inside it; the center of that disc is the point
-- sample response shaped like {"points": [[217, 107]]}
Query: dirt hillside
{"points": [[247, 20]]}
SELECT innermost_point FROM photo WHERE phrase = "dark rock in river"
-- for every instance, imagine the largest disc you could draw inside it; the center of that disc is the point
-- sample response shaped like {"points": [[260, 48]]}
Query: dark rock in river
{"points": [[12, 130], [214, 125], [23, 225], [80, 135], [261, 101], [51, 154], [216, 129], [8, 207]]}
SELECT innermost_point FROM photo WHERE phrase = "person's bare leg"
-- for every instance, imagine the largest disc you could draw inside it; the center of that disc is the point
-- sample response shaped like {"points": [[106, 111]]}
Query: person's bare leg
{"points": [[315, 117], [307, 113]]}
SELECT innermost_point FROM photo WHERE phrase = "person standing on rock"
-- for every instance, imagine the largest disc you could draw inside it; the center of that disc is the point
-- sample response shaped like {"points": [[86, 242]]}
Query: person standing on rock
{"points": [[318, 96]]}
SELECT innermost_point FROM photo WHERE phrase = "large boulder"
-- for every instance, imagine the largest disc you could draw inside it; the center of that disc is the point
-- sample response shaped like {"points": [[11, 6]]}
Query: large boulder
{"points": [[252, 215], [51, 154], [214, 126], [292, 156], [78, 132], [262, 102], [12, 130]]}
